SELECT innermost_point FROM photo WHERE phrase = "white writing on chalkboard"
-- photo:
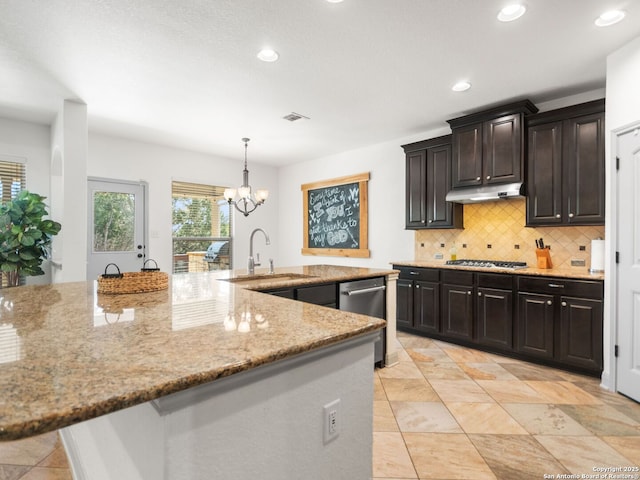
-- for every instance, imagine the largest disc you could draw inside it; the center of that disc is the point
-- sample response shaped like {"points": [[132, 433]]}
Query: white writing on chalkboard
{"points": [[333, 217]]}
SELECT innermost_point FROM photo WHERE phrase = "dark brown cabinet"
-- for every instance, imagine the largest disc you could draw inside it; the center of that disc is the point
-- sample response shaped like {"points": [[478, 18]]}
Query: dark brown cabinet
{"points": [[494, 311], [561, 320], [428, 179], [457, 304], [418, 299], [550, 320], [488, 147], [565, 162]]}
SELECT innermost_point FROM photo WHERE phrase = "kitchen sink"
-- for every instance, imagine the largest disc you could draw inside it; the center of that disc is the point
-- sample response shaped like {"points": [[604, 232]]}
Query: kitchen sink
{"points": [[267, 277]]}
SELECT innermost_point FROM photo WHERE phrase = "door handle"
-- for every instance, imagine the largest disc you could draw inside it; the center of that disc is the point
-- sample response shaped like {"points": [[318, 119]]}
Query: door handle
{"points": [[364, 290]]}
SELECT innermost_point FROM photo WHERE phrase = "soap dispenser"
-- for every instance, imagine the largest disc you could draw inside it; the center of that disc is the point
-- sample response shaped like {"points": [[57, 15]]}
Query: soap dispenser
{"points": [[453, 252]]}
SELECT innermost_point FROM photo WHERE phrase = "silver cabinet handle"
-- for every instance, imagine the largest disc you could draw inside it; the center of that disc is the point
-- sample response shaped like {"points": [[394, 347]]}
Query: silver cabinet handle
{"points": [[477, 179], [564, 304], [558, 215], [571, 215], [479, 294], [488, 177], [469, 293], [556, 285], [364, 290], [414, 273], [549, 302], [417, 286], [430, 221]]}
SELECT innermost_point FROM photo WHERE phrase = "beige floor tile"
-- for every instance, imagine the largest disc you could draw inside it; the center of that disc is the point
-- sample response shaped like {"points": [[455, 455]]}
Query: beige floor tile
{"points": [[485, 418], [383, 418], [516, 456], [629, 447], [486, 371], [391, 457], [13, 472], [57, 459], [602, 420], [511, 391], [442, 371], [43, 473], [429, 355], [403, 355], [460, 391], [446, 455], [378, 389], [413, 341], [29, 451], [424, 417], [580, 454], [460, 355], [409, 390], [563, 393], [528, 371], [400, 370], [544, 419]]}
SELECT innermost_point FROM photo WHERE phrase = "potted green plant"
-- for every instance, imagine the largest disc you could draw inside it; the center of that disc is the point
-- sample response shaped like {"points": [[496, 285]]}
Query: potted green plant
{"points": [[25, 236]]}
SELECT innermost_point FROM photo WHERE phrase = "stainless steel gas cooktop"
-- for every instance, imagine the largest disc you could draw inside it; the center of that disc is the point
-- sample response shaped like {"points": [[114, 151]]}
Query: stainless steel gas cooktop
{"points": [[487, 263]]}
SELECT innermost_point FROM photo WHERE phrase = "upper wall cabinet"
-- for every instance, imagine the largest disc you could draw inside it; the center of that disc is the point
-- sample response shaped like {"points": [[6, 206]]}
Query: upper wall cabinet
{"points": [[565, 162], [428, 179], [488, 146]]}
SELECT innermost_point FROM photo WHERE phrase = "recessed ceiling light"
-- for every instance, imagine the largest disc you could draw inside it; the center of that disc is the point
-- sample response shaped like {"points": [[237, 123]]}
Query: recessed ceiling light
{"points": [[461, 86], [268, 55], [609, 18], [334, 1], [511, 12]]}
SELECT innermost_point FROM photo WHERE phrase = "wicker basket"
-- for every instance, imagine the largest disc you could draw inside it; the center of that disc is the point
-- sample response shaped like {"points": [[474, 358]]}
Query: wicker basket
{"points": [[148, 280]]}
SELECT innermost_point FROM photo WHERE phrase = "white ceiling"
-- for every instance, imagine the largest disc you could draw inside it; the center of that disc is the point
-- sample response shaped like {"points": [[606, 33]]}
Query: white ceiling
{"points": [[185, 72]]}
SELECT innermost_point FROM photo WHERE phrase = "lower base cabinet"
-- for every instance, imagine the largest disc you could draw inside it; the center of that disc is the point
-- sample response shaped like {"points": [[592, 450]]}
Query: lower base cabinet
{"points": [[549, 320]]}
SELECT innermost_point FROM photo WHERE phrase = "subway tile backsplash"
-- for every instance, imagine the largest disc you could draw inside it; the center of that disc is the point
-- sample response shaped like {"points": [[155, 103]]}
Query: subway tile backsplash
{"points": [[496, 231]]}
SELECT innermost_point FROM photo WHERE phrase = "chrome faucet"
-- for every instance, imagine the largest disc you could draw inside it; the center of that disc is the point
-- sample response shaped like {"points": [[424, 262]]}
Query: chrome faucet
{"points": [[251, 264]]}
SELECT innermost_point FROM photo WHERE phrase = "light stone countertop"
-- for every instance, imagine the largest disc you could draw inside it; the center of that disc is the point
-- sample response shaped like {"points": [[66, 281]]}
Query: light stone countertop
{"points": [[581, 273], [68, 354]]}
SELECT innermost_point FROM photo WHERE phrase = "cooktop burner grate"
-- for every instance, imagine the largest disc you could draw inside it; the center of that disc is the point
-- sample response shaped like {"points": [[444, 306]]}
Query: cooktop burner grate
{"points": [[487, 263]]}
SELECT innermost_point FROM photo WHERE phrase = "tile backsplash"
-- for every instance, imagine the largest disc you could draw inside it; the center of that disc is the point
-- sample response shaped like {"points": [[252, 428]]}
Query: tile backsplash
{"points": [[496, 231]]}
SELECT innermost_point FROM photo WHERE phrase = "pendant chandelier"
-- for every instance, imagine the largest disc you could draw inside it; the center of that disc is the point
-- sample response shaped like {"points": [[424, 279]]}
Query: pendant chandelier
{"points": [[247, 201]]}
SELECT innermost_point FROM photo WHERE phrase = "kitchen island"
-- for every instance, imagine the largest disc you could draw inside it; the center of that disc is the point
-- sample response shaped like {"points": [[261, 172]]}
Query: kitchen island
{"points": [[206, 380]]}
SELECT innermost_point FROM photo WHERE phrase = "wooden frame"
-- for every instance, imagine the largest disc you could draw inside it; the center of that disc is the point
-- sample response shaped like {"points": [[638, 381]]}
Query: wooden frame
{"points": [[346, 233]]}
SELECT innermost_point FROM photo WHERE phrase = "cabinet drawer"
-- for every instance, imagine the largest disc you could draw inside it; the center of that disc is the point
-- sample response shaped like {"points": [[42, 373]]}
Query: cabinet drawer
{"points": [[495, 280], [561, 286], [415, 273], [318, 294], [456, 277]]}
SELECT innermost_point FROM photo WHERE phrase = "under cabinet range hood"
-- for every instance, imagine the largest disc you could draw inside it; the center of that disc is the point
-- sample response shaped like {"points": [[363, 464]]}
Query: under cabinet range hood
{"points": [[487, 193]]}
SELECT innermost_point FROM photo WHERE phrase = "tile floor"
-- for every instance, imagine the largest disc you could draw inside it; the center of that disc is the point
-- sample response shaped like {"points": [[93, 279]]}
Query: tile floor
{"points": [[447, 412]]}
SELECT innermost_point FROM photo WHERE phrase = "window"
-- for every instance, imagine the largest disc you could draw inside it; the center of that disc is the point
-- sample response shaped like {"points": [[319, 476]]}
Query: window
{"points": [[201, 228], [13, 179]]}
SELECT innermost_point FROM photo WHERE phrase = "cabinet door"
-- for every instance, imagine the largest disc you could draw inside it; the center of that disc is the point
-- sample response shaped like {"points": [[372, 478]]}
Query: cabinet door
{"points": [[502, 154], [584, 169], [495, 318], [416, 185], [544, 178], [467, 156], [535, 325], [581, 333], [404, 303], [426, 306], [457, 311], [439, 212]]}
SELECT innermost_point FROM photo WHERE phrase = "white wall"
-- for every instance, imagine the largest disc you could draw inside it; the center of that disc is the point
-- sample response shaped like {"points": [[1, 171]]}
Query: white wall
{"points": [[122, 159], [622, 109], [388, 239]]}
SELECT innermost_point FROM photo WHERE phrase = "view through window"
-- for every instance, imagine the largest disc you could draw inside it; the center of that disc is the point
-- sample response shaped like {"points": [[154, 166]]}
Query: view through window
{"points": [[202, 226]]}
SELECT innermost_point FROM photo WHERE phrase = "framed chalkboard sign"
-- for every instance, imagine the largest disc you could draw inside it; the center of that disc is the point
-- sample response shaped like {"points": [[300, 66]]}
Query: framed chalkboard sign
{"points": [[335, 217]]}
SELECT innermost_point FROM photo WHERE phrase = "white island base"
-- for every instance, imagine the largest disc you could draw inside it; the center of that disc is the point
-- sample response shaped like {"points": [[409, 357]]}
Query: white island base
{"points": [[265, 423]]}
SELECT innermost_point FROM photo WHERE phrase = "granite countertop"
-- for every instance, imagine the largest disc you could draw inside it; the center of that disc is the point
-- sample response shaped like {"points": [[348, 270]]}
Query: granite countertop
{"points": [[578, 273], [68, 354]]}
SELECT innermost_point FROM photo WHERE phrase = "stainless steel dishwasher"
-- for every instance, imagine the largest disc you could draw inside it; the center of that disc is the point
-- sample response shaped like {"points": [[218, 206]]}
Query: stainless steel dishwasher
{"points": [[367, 297]]}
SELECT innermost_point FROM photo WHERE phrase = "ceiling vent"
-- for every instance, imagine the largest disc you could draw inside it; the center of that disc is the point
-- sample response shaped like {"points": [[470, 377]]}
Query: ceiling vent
{"points": [[293, 116]]}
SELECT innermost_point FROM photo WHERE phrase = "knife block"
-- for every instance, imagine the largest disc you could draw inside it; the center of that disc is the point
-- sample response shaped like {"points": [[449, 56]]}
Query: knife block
{"points": [[544, 258]]}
